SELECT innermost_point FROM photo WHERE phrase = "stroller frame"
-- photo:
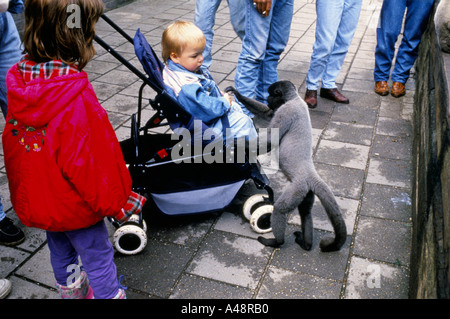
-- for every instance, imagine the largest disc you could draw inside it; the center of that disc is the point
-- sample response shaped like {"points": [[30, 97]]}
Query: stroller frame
{"points": [[143, 163]]}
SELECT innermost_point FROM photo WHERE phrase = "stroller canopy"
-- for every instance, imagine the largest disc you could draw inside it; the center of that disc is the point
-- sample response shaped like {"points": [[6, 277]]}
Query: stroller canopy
{"points": [[150, 62]]}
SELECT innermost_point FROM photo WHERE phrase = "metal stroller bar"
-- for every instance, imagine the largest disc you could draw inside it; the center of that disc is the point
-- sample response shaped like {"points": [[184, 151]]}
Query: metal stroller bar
{"points": [[142, 76], [125, 62], [117, 28], [122, 60]]}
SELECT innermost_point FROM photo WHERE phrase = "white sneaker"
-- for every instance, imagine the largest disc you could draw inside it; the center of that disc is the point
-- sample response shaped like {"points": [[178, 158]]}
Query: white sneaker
{"points": [[5, 288]]}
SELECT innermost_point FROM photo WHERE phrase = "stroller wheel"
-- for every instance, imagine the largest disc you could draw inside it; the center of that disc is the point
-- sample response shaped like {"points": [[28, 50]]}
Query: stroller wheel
{"points": [[252, 204], [130, 239], [260, 219], [135, 220]]}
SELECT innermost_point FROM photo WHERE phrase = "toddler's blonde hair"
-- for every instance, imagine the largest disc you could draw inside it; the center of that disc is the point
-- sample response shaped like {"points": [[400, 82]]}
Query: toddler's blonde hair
{"points": [[178, 35]]}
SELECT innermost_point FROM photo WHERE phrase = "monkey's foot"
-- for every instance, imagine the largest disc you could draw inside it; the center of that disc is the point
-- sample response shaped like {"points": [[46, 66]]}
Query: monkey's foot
{"points": [[272, 242], [299, 239], [329, 244]]}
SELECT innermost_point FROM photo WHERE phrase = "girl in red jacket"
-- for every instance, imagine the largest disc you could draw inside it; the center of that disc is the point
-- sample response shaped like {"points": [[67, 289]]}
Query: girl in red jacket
{"points": [[64, 164]]}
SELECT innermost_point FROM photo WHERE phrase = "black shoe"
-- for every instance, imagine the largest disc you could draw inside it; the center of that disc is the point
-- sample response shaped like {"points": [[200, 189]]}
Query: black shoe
{"points": [[333, 95], [10, 235]]}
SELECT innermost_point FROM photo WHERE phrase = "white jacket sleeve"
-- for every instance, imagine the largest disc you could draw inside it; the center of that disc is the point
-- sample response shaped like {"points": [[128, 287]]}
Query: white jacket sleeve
{"points": [[4, 5]]}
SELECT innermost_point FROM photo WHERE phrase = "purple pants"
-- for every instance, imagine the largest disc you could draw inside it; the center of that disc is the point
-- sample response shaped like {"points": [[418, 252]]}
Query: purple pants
{"points": [[97, 256]]}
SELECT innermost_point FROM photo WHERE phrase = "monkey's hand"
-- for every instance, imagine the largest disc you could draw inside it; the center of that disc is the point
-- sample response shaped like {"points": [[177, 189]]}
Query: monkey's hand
{"points": [[231, 89], [272, 242]]}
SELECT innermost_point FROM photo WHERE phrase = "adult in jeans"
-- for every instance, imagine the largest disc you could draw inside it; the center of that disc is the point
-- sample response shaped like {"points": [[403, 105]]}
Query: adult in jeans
{"points": [[205, 18], [267, 28], [335, 27], [389, 27], [10, 54]]}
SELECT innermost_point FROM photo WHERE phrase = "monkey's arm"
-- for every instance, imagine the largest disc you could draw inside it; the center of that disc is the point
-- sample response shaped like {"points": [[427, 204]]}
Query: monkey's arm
{"points": [[280, 125], [272, 135], [256, 107]]}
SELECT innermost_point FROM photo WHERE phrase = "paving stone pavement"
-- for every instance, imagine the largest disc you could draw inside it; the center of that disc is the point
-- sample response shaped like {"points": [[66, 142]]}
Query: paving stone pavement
{"points": [[362, 150]]}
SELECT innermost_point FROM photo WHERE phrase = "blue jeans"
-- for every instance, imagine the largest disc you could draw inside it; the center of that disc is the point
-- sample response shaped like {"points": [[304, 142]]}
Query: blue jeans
{"points": [[10, 53], [97, 256], [264, 41], [335, 27], [2, 213], [205, 17], [388, 30]]}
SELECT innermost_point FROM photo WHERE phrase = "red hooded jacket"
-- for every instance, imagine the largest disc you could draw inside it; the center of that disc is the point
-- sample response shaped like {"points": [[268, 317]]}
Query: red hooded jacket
{"points": [[63, 161]]}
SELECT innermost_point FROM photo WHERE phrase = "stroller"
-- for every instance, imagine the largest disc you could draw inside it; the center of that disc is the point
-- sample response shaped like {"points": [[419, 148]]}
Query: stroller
{"points": [[179, 185]]}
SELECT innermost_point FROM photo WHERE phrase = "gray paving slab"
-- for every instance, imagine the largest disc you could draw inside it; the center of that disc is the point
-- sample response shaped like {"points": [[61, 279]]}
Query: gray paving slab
{"points": [[362, 150]]}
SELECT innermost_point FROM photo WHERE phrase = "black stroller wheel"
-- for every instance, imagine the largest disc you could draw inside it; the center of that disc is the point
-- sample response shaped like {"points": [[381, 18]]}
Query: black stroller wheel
{"points": [[260, 219]]}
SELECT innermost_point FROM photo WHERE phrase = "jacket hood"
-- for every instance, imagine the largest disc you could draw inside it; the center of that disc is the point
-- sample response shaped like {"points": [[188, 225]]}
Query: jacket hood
{"points": [[37, 102]]}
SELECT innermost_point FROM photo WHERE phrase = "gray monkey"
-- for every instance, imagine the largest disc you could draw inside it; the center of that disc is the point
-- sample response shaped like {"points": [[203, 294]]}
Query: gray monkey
{"points": [[289, 113]]}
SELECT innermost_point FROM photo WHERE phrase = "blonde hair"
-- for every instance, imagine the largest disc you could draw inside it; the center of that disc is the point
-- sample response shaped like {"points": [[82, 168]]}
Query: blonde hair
{"points": [[177, 36], [48, 35]]}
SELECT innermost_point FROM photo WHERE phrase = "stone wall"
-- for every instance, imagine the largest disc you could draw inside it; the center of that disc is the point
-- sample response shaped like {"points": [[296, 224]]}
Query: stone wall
{"points": [[430, 272]]}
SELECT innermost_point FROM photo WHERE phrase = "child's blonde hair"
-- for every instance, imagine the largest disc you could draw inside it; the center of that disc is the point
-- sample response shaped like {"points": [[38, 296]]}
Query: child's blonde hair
{"points": [[49, 36], [178, 35]]}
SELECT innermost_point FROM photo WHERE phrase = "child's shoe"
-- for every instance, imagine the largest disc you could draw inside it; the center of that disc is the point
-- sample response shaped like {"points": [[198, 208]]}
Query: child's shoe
{"points": [[80, 289], [121, 294]]}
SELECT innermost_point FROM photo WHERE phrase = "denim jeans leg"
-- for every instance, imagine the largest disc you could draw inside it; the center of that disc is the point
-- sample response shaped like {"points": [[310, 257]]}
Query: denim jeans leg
{"points": [[253, 51], [205, 17], [2, 212], [329, 14], [388, 30], [237, 16], [415, 24], [278, 38], [10, 53], [345, 33]]}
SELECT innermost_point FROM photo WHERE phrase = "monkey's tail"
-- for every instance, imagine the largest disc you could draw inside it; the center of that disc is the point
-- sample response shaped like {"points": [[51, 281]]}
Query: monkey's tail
{"points": [[326, 197]]}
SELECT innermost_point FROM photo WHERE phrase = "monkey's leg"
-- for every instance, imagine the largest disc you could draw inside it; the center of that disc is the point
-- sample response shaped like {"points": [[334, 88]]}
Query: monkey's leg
{"points": [[305, 237], [278, 222], [289, 199]]}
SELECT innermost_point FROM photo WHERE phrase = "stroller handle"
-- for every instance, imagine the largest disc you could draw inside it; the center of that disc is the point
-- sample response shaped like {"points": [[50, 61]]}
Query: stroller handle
{"points": [[117, 28], [121, 59]]}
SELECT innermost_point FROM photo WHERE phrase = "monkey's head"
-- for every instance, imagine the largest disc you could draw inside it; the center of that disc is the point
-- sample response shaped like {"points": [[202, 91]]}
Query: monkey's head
{"points": [[279, 93]]}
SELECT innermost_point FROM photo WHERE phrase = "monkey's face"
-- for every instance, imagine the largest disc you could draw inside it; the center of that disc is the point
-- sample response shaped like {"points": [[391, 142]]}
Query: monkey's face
{"points": [[279, 93]]}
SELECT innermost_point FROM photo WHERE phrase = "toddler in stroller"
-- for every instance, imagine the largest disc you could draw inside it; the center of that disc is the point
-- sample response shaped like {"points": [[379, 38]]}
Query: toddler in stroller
{"points": [[192, 85], [189, 186]]}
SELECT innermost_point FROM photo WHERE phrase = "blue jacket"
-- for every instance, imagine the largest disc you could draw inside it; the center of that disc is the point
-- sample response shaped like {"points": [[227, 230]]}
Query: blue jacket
{"points": [[197, 93]]}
